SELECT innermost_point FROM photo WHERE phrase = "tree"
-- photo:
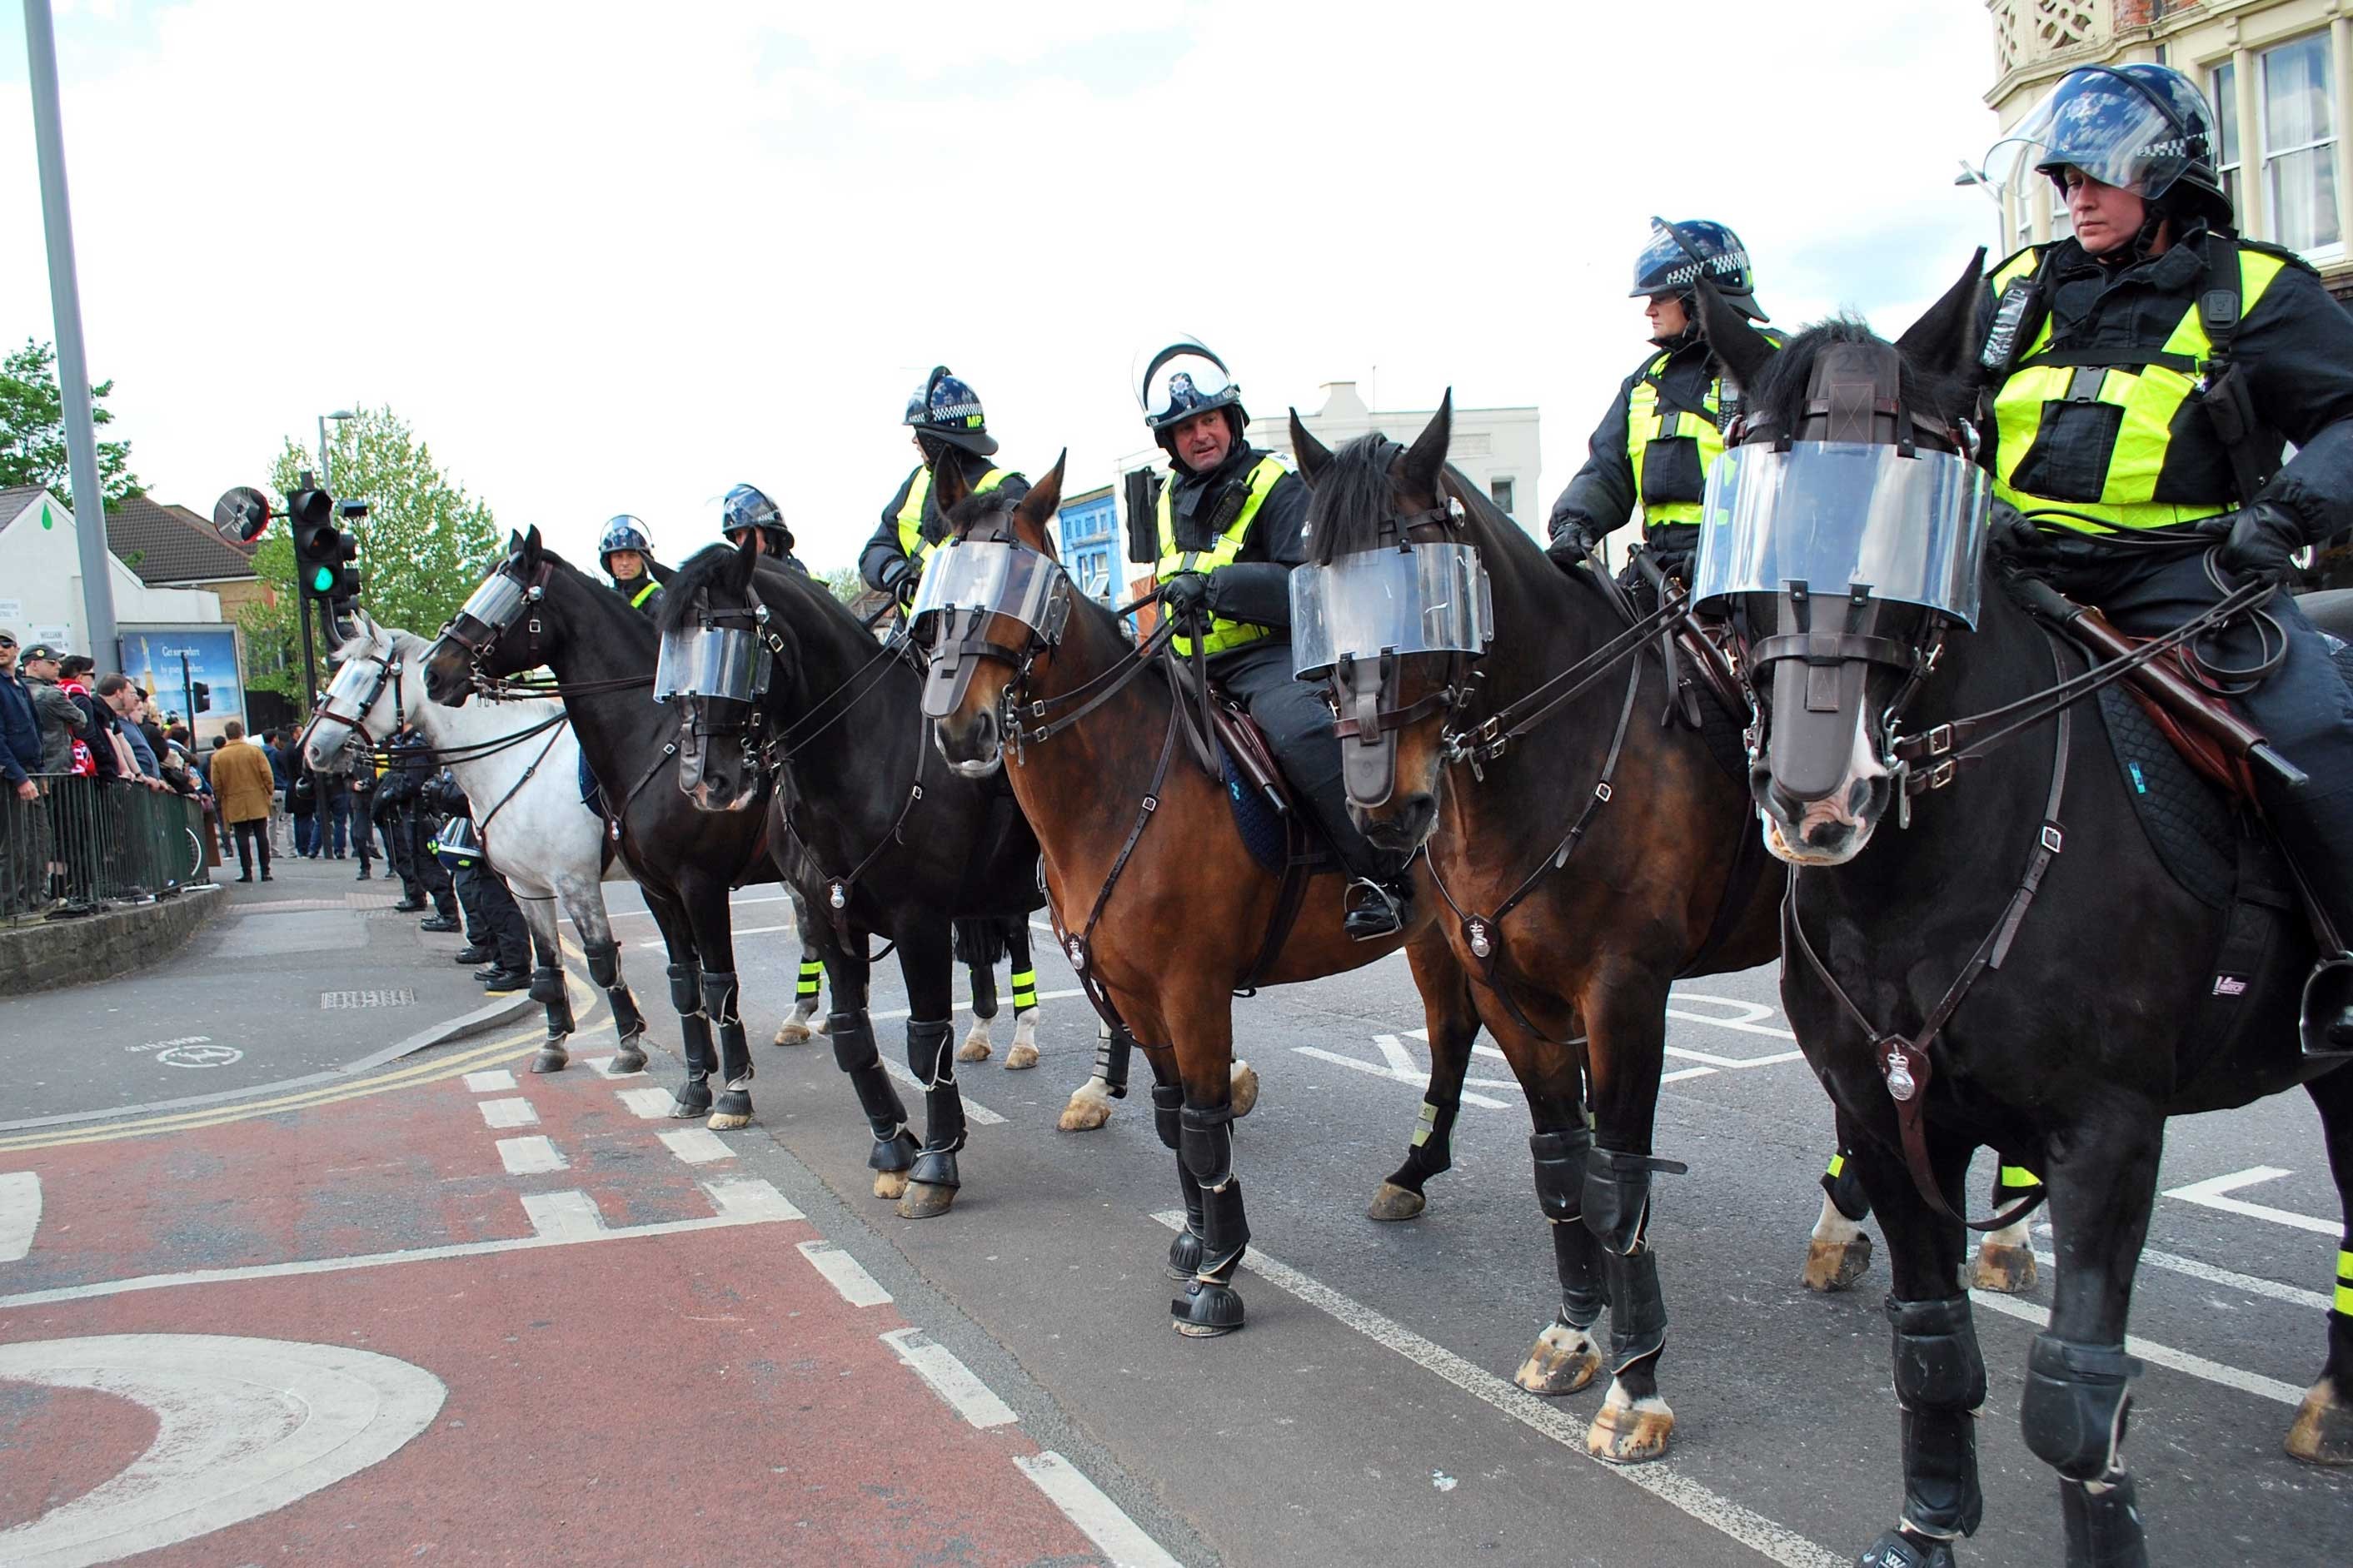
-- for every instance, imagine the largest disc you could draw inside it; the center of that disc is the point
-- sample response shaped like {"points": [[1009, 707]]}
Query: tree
{"points": [[845, 584], [423, 544], [32, 429]]}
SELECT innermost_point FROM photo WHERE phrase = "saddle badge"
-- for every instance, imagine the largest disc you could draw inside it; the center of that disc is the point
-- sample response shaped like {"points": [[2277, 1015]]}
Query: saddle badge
{"points": [[837, 897], [1901, 1085], [1480, 945]]}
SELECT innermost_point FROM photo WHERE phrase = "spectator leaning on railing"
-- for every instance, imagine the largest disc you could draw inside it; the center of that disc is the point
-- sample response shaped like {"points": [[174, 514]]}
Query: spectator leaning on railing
{"points": [[62, 719], [123, 700], [21, 724]]}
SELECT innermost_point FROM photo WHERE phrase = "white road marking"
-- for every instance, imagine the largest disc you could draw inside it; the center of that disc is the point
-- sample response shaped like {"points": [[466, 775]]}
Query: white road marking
{"points": [[20, 1213], [496, 1079], [243, 1427], [845, 1274], [749, 1198], [2249, 1283], [604, 1067], [950, 1378], [515, 1112], [1681, 1073], [733, 1210], [530, 1156], [742, 932], [697, 1145], [1736, 1063], [1751, 1020], [889, 1013], [1418, 1079], [1401, 1063], [648, 1103], [572, 1214], [1661, 1478], [2207, 1193], [906, 1075], [2156, 1354], [1100, 1520], [732, 903]]}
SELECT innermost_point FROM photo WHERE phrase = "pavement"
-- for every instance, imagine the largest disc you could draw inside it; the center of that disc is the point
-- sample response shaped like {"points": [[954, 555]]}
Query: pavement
{"points": [[439, 1308]]}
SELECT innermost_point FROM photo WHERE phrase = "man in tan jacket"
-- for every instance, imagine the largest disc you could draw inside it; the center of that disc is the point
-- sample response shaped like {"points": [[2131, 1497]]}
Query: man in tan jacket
{"points": [[243, 786]]}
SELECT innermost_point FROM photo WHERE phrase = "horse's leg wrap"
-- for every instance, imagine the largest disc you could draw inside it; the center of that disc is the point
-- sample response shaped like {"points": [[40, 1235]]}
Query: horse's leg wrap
{"points": [[1432, 1148], [1205, 1139], [686, 989], [1616, 1199], [694, 1038], [812, 973], [603, 964], [1560, 1184], [852, 1034], [605, 969], [2072, 1411], [718, 996], [1940, 1381], [2103, 1521], [1204, 1135], [547, 986], [929, 1055], [983, 991], [1112, 1049], [1845, 1189], [1024, 983], [1185, 1251]]}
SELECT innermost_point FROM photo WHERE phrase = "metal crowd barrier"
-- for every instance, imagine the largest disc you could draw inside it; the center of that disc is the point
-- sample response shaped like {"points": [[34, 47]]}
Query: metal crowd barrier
{"points": [[84, 843]]}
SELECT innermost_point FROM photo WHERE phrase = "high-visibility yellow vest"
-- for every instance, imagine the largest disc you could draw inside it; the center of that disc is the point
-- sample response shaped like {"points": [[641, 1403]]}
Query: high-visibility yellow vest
{"points": [[911, 516], [1224, 635], [1645, 424], [638, 600], [2150, 393]]}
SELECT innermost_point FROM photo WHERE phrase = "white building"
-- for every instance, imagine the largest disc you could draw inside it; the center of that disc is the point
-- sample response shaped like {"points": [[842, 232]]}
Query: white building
{"points": [[40, 580]]}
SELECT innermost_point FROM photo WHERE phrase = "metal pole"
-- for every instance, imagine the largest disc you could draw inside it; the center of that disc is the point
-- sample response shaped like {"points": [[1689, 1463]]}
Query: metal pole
{"points": [[310, 661], [326, 474], [73, 368], [188, 696]]}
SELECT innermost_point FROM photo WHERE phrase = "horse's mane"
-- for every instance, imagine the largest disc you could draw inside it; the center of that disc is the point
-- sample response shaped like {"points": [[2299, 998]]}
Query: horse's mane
{"points": [[693, 579], [1778, 398], [977, 509], [1356, 493]]}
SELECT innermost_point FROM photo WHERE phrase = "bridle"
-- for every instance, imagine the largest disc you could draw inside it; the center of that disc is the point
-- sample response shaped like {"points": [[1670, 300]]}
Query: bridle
{"points": [[387, 666]]}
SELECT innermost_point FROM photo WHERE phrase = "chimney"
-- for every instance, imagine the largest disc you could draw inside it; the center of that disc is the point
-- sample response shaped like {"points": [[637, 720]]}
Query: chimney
{"points": [[1341, 405]]}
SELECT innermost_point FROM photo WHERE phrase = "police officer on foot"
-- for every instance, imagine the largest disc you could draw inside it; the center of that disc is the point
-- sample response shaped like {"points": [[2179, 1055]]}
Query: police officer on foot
{"points": [[1229, 525], [949, 425], [747, 511], [1653, 449], [2143, 374], [627, 551]]}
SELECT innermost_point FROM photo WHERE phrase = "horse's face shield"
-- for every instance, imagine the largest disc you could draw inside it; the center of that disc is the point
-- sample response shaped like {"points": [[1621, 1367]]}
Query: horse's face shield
{"points": [[1352, 619], [490, 611], [717, 670], [966, 585]]}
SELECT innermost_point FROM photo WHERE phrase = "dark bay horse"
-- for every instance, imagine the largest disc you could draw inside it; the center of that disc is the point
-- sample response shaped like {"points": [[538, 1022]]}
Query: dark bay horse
{"points": [[2006, 964], [1161, 905], [904, 847], [1583, 867]]}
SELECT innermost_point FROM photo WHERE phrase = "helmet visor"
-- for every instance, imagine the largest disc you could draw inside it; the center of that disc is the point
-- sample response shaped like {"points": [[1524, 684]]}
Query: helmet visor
{"points": [[724, 662], [991, 576], [1841, 515], [2108, 125], [1424, 598]]}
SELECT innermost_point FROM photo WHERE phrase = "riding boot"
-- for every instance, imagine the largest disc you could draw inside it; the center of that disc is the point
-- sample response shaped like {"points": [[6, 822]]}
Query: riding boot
{"points": [[694, 1038], [854, 1052], [720, 992], [933, 1063]]}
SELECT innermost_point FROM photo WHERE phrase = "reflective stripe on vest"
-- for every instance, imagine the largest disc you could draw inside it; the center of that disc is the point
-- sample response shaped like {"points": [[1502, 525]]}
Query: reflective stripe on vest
{"points": [[2150, 398], [638, 600], [911, 543], [1224, 634], [1645, 424]]}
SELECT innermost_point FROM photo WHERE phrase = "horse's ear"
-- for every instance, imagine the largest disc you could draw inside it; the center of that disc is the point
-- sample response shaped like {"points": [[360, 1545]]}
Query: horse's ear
{"points": [[1045, 499], [531, 546], [948, 484], [1941, 341], [514, 541], [1425, 460], [1743, 348], [1314, 455]]}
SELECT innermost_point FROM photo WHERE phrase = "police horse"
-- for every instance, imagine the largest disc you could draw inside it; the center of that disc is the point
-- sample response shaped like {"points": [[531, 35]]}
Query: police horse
{"points": [[787, 709], [516, 761], [1937, 973]]}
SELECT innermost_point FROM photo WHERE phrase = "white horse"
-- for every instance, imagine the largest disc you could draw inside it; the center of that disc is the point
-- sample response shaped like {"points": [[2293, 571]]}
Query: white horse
{"points": [[518, 761]]}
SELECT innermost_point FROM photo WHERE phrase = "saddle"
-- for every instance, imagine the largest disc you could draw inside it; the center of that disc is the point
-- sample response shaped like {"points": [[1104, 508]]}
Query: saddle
{"points": [[1265, 808]]}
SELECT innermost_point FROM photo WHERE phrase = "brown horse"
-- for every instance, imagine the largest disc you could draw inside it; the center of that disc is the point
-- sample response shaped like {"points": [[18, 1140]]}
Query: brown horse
{"points": [[1157, 900], [1586, 854]]}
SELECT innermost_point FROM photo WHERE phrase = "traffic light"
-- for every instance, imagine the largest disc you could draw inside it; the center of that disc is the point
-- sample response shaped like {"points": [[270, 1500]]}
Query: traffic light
{"points": [[202, 695], [318, 545]]}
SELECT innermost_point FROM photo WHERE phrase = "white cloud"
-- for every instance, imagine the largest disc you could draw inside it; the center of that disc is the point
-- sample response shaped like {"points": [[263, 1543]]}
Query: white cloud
{"points": [[605, 261]]}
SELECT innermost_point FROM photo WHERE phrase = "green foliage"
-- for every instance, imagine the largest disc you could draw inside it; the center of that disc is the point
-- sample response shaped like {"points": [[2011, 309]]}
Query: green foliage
{"points": [[844, 583], [32, 429], [423, 544]]}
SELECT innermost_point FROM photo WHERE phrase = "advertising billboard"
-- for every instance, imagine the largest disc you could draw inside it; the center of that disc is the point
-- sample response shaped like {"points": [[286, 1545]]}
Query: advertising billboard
{"points": [[152, 656]]}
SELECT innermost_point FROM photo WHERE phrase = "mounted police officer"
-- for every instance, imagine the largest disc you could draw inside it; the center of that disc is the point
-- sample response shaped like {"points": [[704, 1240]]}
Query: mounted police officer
{"points": [[949, 425], [1229, 523], [2142, 375], [1654, 446], [627, 552], [747, 509]]}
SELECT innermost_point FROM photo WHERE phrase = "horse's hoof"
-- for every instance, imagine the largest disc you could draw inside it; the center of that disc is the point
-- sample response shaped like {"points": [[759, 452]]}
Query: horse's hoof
{"points": [[1021, 1055], [1207, 1309], [1836, 1265], [628, 1059], [790, 1033], [2323, 1433], [551, 1057], [924, 1200], [1184, 1256], [2006, 1269], [890, 1184], [973, 1049], [1563, 1361], [1393, 1202], [728, 1120], [1630, 1431], [1089, 1108], [1243, 1094], [688, 1104], [818, 1025]]}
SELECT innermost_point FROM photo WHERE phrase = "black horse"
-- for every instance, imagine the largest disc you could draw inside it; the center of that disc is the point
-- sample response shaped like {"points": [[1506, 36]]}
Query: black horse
{"points": [[904, 847], [536, 609], [2009, 964]]}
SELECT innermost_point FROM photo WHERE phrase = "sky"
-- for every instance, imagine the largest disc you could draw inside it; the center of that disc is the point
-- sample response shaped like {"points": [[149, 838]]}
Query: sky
{"points": [[611, 257]]}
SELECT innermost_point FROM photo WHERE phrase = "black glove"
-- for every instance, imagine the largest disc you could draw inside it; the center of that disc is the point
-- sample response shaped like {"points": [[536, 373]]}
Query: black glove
{"points": [[1571, 546], [900, 580], [2008, 533], [1185, 593], [2263, 539]]}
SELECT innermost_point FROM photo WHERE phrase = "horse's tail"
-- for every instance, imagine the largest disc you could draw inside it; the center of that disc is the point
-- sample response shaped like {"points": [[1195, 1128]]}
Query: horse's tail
{"points": [[979, 943]]}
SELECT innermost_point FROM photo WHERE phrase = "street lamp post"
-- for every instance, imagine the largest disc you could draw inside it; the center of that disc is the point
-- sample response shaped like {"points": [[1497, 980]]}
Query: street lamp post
{"points": [[326, 469]]}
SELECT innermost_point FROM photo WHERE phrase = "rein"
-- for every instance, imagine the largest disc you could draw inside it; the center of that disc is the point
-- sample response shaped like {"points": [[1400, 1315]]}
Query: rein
{"points": [[1492, 736]]}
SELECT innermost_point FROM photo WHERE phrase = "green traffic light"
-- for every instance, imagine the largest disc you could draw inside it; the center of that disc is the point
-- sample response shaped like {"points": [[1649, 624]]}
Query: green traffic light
{"points": [[322, 579]]}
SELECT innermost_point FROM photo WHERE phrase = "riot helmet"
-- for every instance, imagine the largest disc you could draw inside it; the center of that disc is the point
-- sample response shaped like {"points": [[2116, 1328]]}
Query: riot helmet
{"points": [[1181, 381], [623, 532], [458, 844], [748, 507], [1678, 253], [2141, 126], [948, 410]]}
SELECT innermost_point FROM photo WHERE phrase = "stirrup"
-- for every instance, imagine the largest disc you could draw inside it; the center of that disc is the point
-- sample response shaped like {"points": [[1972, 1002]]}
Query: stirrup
{"points": [[2327, 1019], [1374, 911]]}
